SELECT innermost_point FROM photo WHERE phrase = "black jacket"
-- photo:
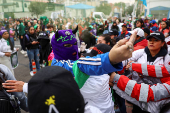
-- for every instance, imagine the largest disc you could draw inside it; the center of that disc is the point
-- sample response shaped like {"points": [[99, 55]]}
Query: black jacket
{"points": [[28, 41]]}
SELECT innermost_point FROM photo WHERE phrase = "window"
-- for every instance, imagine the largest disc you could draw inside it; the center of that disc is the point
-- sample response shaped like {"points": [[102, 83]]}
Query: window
{"points": [[17, 4], [4, 1], [25, 5], [98, 16]]}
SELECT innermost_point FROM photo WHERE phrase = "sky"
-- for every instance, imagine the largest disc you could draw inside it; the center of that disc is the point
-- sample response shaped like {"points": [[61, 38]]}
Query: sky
{"points": [[126, 1]]}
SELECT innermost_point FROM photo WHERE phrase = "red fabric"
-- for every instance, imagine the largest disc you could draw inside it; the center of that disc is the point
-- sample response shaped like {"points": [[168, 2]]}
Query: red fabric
{"points": [[155, 25], [165, 31], [136, 91], [165, 73], [123, 80], [151, 70], [168, 43], [125, 33], [160, 27], [140, 45], [81, 30], [137, 67], [165, 79], [150, 95], [122, 71]]}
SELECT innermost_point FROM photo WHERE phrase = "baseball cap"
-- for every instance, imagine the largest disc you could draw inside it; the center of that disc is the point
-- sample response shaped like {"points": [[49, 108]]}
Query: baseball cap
{"points": [[124, 25], [2, 32], [98, 49], [113, 32], [164, 19], [54, 87], [158, 35], [140, 32], [146, 30]]}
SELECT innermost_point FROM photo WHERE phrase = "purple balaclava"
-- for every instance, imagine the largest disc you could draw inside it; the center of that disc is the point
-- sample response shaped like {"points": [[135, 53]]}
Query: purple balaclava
{"points": [[64, 45]]}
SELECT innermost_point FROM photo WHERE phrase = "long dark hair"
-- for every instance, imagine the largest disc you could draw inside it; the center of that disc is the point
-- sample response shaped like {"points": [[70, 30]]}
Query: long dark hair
{"points": [[34, 35], [10, 43], [142, 23], [167, 26], [165, 46]]}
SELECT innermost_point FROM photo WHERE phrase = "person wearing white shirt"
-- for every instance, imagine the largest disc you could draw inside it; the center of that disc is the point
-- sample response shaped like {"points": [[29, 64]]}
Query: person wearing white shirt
{"points": [[51, 30], [6, 48]]}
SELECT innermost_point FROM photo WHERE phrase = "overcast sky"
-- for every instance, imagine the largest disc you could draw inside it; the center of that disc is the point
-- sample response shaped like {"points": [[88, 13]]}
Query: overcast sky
{"points": [[126, 1]]}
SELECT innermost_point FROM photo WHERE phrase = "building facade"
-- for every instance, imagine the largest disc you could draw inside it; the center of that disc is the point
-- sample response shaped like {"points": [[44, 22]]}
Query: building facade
{"points": [[19, 8], [158, 8]]}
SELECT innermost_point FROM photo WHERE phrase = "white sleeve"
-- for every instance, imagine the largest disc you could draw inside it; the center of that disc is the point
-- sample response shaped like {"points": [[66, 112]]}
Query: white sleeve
{"points": [[88, 50], [2, 54], [25, 88], [136, 55], [91, 109]]}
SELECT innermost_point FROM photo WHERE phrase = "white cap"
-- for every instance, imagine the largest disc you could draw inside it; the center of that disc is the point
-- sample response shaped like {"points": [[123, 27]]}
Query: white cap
{"points": [[140, 32]]}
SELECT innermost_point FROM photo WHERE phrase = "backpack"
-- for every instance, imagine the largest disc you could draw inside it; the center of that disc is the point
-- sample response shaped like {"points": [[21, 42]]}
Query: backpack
{"points": [[12, 99]]}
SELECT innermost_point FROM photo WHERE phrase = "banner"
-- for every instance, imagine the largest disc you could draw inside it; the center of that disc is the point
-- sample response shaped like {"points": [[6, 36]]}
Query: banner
{"points": [[14, 59]]}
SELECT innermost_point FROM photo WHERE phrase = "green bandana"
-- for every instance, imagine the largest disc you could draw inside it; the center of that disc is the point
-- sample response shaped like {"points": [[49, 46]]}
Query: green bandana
{"points": [[7, 41], [80, 77]]}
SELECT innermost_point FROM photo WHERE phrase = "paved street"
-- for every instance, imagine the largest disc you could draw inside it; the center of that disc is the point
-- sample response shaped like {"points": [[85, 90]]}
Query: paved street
{"points": [[22, 71]]}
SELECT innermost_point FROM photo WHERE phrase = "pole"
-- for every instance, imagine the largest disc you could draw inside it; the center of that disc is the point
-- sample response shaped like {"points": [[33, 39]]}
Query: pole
{"points": [[22, 5], [133, 14], [121, 11]]}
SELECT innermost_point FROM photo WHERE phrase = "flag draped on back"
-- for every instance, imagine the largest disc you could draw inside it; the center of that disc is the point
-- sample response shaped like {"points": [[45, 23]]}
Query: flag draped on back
{"points": [[144, 2]]}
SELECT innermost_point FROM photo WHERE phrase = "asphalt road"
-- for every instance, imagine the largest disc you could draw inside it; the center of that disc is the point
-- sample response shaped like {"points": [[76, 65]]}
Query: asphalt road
{"points": [[22, 72]]}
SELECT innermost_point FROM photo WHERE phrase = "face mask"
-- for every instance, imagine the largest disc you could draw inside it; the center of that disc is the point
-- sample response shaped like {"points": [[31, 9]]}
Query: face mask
{"points": [[61, 52]]}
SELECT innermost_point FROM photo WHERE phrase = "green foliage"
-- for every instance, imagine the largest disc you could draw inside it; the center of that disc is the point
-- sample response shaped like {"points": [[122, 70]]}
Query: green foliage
{"points": [[129, 10], [37, 8], [105, 8], [120, 4]]}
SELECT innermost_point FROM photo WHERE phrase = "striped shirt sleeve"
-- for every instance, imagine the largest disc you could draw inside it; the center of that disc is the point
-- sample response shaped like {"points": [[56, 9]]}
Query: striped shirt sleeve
{"points": [[142, 92], [98, 65], [151, 70]]}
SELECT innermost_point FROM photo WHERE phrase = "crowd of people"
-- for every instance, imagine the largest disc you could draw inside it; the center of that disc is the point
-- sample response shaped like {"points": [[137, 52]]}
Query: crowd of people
{"points": [[109, 67]]}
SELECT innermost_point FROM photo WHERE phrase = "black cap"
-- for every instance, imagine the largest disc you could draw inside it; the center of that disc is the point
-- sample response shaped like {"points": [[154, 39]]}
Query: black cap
{"points": [[98, 49], [43, 35], [146, 30], [113, 32], [54, 86], [158, 35]]}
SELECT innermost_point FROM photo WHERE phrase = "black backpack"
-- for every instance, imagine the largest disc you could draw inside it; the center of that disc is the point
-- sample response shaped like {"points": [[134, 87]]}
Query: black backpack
{"points": [[12, 103]]}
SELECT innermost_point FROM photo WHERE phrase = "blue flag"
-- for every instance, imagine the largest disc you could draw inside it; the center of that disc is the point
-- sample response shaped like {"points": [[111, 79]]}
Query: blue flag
{"points": [[144, 2]]}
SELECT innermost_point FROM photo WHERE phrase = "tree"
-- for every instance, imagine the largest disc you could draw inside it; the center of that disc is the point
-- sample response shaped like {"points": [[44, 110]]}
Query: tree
{"points": [[129, 10], [105, 8], [37, 8], [121, 5]]}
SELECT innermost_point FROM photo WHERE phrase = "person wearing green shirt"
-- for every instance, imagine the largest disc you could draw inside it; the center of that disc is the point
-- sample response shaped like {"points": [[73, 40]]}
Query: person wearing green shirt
{"points": [[21, 32]]}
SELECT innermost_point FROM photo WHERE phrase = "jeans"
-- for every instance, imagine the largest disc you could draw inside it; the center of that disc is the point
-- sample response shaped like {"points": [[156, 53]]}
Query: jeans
{"points": [[33, 54], [12, 40], [22, 42], [105, 32]]}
